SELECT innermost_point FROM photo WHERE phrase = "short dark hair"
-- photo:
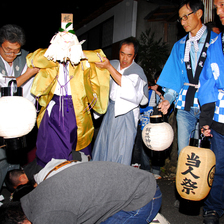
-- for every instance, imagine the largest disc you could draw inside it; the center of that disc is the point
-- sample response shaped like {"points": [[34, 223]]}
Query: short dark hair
{"points": [[157, 74], [13, 34], [131, 40], [12, 213], [195, 5], [12, 179]]}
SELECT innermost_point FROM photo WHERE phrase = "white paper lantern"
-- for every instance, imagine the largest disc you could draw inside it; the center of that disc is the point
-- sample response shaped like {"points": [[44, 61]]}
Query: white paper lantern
{"points": [[158, 136], [17, 116]]}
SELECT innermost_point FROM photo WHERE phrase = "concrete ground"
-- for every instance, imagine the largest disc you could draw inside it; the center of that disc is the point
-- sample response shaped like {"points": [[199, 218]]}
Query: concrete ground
{"points": [[188, 212]]}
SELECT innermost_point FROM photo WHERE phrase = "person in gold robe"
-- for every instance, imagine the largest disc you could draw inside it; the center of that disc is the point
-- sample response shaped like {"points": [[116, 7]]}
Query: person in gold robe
{"points": [[67, 86]]}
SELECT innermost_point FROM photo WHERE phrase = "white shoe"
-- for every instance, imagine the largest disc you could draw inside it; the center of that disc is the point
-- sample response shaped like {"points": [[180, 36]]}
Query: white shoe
{"points": [[136, 165], [157, 176], [159, 219]]}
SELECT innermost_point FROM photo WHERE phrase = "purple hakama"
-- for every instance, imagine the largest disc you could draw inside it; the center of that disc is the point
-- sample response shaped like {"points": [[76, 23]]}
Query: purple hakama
{"points": [[57, 135]]}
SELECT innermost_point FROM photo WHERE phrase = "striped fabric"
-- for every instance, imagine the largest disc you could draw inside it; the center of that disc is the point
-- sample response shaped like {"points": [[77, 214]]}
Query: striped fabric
{"points": [[180, 101], [195, 41], [219, 109]]}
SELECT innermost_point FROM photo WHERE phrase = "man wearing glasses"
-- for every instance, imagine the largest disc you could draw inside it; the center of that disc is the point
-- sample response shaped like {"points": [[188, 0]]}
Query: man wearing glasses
{"points": [[181, 73], [13, 60], [13, 66]]}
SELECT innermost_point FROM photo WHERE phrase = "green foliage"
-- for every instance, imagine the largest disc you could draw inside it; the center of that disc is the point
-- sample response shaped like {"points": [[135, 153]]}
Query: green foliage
{"points": [[66, 27], [152, 53], [61, 30]]}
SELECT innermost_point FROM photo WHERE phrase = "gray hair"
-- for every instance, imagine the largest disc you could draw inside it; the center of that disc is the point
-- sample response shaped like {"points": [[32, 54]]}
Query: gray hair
{"points": [[13, 34]]}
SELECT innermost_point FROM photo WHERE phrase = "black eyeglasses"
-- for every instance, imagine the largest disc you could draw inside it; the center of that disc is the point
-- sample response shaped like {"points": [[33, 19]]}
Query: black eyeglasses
{"points": [[185, 17], [18, 52]]}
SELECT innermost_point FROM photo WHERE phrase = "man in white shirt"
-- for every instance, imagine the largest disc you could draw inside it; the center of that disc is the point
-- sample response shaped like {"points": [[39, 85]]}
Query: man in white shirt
{"points": [[128, 89], [13, 60], [13, 66], [36, 174]]}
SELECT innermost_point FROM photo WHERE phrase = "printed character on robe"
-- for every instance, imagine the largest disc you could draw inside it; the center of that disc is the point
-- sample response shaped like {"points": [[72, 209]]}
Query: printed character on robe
{"points": [[67, 86], [13, 66], [91, 192], [128, 89], [182, 70], [211, 98]]}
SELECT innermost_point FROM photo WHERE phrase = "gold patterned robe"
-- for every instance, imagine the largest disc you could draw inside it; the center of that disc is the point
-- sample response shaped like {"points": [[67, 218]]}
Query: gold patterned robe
{"points": [[89, 87]]}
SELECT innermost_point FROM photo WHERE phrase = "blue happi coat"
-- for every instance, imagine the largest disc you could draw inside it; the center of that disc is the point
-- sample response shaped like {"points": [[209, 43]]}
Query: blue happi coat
{"points": [[212, 79], [174, 74]]}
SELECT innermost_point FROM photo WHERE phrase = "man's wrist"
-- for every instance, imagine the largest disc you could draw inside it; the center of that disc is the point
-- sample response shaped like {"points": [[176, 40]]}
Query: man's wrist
{"points": [[169, 98]]}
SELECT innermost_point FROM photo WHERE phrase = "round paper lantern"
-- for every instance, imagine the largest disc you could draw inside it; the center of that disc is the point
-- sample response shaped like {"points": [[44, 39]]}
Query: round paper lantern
{"points": [[17, 116], [157, 136], [195, 172]]}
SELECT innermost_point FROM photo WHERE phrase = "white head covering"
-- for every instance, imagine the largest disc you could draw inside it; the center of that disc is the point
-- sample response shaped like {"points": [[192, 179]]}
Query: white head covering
{"points": [[65, 46]]}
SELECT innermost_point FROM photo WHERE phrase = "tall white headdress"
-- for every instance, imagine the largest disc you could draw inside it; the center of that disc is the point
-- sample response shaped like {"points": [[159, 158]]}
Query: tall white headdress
{"points": [[65, 46]]}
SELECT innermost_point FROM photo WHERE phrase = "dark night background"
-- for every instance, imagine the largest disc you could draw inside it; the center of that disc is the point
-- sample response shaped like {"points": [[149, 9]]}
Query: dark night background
{"points": [[42, 19]]}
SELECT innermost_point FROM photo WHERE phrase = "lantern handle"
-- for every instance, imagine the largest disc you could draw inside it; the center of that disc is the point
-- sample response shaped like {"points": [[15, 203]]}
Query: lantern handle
{"points": [[199, 139], [202, 136], [13, 86], [194, 130]]}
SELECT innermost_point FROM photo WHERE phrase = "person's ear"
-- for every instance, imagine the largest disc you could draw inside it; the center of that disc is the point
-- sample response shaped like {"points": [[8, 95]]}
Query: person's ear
{"points": [[23, 179], [199, 13]]}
